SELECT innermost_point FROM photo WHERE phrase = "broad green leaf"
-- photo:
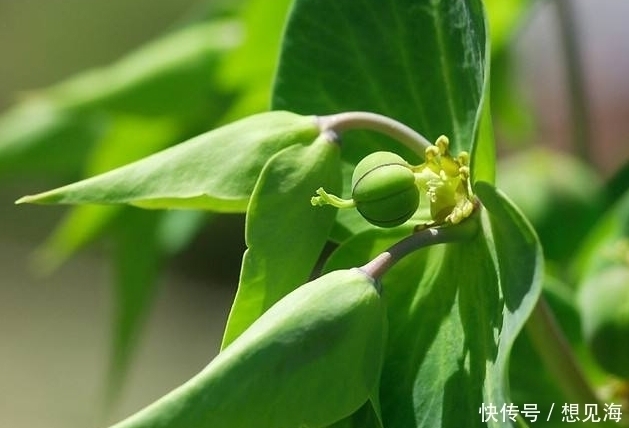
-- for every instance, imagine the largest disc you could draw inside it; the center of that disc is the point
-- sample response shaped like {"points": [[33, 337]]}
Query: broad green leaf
{"points": [[365, 417], [248, 70], [178, 227], [37, 138], [421, 62], [140, 241], [518, 263], [284, 233], [454, 313], [214, 171], [167, 76], [291, 367], [54, 128], [127, 139]]}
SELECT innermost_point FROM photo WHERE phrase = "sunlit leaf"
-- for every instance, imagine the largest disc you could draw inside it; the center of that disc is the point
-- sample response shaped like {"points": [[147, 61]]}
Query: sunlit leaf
{"points": [[214, 171], [167, 76], [248, 70], [284, 233], [454, 311], [37, 138], [53, 129], [127, 139], [178, 227], [423, 63]]}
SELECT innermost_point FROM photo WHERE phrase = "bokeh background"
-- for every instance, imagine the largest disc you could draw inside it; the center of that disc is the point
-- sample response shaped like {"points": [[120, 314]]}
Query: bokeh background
{"points": [[55, 330]]}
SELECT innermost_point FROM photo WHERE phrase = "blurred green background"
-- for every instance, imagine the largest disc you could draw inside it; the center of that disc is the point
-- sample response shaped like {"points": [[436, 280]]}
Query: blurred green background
{"points": [[55, 330]]}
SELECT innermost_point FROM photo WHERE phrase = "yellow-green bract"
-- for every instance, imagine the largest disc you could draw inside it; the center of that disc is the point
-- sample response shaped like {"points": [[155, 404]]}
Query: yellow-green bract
{"points": [[384, 190], [312, 359]]}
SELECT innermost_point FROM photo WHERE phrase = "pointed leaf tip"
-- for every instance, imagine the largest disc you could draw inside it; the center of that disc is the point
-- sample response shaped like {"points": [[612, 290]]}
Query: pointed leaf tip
{"points": [[213, 171]]}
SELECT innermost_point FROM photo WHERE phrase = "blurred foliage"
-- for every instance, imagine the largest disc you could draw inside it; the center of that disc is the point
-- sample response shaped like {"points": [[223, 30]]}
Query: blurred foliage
{"points": [[192, 79], [221, 67]]}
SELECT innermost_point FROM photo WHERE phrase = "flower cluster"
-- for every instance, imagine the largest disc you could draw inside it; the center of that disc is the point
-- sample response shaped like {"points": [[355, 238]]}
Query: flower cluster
{"points": [[386, 189]]}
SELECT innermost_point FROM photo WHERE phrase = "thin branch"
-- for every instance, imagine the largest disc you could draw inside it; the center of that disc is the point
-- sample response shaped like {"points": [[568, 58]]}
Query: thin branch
{"points": [[338, 123], [421, 239]]}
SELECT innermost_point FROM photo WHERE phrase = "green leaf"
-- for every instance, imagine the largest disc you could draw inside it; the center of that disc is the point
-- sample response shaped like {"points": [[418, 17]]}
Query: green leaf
{"points": [[291, 368], [54, 128], [81, 226], [178, 228], [136, 256], [421, 62], [85, 223], [37, 138], [165, 77], [214, 171], [249, 69], [365, 417], [454, 313], [284, 233]]}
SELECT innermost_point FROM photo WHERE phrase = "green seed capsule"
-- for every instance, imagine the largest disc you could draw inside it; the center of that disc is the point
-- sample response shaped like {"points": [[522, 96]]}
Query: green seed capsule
{"points": [[384, 190], [312, 359]]}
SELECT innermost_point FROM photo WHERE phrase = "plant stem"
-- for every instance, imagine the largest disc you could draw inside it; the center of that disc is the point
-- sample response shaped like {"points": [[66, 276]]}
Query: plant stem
{"points": [[556, 353], [421, 239], [542, 327], [575, 79], [338, 123]]}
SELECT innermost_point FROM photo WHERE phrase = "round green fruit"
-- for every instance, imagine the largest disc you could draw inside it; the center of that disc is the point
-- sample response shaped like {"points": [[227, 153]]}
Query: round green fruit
{"points": [[384, 190]]}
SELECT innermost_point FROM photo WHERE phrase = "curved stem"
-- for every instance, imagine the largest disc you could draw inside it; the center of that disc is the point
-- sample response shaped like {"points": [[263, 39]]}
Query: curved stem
{"points": [[542, 327], [341, 122], [421, 239]]}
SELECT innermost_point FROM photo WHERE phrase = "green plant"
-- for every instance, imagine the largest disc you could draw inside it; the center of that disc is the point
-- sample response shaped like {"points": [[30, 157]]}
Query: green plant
{"points": [[298, 348], [459, 266]]}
